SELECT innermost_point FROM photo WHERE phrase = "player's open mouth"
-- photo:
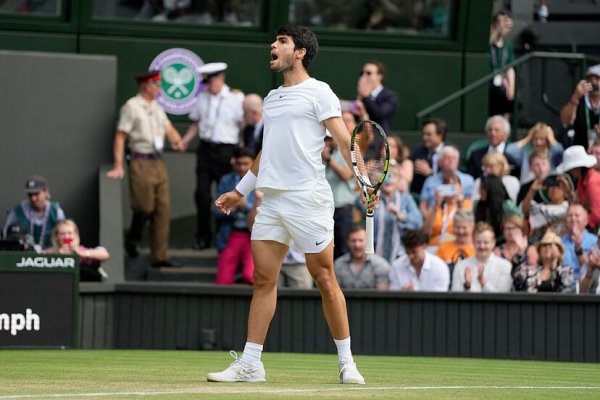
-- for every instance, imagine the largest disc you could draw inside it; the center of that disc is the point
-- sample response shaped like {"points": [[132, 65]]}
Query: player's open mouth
{"points": [[273, 57]]}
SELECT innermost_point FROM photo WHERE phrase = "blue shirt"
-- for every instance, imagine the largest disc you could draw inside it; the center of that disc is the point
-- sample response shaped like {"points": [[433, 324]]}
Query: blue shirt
{"points": [[434, 181], [570, 259]]}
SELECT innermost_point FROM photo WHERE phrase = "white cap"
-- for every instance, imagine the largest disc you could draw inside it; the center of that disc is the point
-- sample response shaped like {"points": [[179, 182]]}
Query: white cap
{"points": [[212, 68], [593, 70]]}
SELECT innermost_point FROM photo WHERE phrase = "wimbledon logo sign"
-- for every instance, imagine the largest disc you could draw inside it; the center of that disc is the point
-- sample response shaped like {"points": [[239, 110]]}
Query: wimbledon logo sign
{"points": [[181, 81]]}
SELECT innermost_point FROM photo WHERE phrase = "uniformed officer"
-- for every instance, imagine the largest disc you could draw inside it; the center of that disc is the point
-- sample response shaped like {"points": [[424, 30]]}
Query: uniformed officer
{"points": [[144, 125], [217, 119]]}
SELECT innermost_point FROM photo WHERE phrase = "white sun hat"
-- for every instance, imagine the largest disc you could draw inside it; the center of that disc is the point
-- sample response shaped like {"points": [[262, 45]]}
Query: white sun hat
{"points": [[573, 157]]}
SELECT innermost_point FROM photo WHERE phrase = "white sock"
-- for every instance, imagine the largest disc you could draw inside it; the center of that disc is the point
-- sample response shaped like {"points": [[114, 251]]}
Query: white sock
{"points": [[343, 349], [252, 353]]}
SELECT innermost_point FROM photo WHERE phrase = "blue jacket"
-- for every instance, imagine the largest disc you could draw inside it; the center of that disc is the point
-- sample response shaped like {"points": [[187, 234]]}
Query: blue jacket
{"points": [[235, 219]]}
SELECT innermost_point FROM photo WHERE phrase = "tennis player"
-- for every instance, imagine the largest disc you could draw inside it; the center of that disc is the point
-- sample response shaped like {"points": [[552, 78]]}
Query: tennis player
{"points": [[297, 203]]}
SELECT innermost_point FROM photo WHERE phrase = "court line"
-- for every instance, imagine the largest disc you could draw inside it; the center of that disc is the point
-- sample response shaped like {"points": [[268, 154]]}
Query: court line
{"points": [[230, 390]]}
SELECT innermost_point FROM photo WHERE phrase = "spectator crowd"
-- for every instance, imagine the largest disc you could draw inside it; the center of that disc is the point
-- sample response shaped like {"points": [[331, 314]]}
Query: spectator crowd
{"points": [[502, 215]]}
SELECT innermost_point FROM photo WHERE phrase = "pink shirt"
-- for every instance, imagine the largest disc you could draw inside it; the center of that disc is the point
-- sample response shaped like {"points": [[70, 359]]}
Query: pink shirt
{"points": [[588, 191]]}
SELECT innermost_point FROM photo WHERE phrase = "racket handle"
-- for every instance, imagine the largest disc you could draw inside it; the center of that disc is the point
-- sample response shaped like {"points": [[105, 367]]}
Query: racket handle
{"points": [[369, 248]]}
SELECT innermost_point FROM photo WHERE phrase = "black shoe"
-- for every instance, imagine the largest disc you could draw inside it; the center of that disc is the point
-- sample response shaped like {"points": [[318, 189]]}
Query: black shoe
{"points": [[165, 263], [131, 250]]}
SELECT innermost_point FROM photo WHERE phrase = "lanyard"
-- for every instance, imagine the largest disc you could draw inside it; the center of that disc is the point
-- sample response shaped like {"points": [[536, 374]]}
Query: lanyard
{"points": [[447, 216], [588, 108], [44, 224], [504, 56], [210, 125]]}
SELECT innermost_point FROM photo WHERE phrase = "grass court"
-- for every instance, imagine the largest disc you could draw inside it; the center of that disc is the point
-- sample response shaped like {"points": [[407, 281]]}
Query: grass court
{"points": [[160, 374]]}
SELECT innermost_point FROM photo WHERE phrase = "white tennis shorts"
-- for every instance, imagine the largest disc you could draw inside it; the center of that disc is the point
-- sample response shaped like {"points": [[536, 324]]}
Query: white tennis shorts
{"points": [[302, 216]]}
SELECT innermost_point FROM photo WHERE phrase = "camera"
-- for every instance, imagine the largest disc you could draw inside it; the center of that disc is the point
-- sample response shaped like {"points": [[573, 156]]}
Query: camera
{"points": [[595, 87], [16, 239]]}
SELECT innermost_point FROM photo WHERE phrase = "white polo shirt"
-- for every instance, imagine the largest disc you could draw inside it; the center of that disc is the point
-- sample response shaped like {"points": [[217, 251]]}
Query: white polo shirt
{"points": [[220, 116], [293, 135], [435, 275]]}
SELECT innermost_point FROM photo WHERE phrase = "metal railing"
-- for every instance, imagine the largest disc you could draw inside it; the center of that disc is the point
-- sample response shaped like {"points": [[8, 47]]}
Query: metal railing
{"points": [[426, 112]]}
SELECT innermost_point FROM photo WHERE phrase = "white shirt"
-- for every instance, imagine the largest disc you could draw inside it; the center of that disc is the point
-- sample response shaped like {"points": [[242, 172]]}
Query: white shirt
{"points": [[511, 184], [498, 149], [496, 272], [435, 275], [293, 135], [220, 116]]}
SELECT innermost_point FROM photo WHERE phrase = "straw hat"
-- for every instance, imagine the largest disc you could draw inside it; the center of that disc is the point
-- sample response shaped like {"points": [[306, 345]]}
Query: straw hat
{"points": [[551, 238]]}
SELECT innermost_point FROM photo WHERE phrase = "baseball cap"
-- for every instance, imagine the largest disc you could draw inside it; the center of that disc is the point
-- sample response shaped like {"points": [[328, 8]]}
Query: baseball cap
{"points": [[35, 184]]}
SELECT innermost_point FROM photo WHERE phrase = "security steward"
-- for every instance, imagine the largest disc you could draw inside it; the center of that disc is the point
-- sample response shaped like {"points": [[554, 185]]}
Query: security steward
{"points": [[217, 119], [143, 126]]}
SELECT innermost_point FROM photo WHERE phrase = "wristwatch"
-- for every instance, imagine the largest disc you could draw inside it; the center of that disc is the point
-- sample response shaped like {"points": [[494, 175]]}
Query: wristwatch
{"points": [[579, 252]]}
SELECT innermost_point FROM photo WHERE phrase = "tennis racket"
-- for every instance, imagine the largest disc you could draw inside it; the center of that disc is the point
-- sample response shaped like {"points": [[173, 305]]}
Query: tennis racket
{"points": [[370, 157]]}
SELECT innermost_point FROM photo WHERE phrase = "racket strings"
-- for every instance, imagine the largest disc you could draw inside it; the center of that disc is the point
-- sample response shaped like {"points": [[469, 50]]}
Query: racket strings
{"points": [[371, 153]]}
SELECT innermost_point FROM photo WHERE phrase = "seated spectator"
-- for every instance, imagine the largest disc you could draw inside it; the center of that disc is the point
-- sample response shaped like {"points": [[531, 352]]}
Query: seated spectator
{"points": [[578, 241], [342, 182], [579, 166], [418, 270], [539, 164], [395, 214], [400, 162], [461, 247], [426, 156], [449, 160], [549, 275], [294, 272], [591, 188], [541, 138], [359, 270], [497, 165], [590, 272], [439, 220], [550, 213], [485, 272], [516, 248], [36, 216], [497, 130], [65, 240], [233, 233], [494, 204]]}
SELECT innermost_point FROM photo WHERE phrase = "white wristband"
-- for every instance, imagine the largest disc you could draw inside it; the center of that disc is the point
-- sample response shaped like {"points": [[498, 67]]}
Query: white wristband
{"points": [[247, 184]]}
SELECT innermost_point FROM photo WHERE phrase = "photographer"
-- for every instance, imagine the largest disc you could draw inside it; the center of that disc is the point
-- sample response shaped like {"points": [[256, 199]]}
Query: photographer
{"points": [[582, 112]]}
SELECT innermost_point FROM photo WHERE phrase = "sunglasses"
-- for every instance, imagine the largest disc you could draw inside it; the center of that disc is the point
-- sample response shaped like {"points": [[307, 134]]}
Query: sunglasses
{"points": [[368, 73]]}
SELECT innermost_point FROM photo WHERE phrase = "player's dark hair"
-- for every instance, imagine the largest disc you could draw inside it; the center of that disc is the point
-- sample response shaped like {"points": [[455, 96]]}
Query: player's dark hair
{"points": [[414, 238], [303, 38]]}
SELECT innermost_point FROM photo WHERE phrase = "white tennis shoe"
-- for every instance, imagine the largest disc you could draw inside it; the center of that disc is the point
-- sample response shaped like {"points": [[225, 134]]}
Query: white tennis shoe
{"points": [[349, 373], [238, 371]]}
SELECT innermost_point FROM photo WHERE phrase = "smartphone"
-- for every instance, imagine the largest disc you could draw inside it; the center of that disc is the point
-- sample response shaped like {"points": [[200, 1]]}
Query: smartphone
{"points": [[447, 190]]}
